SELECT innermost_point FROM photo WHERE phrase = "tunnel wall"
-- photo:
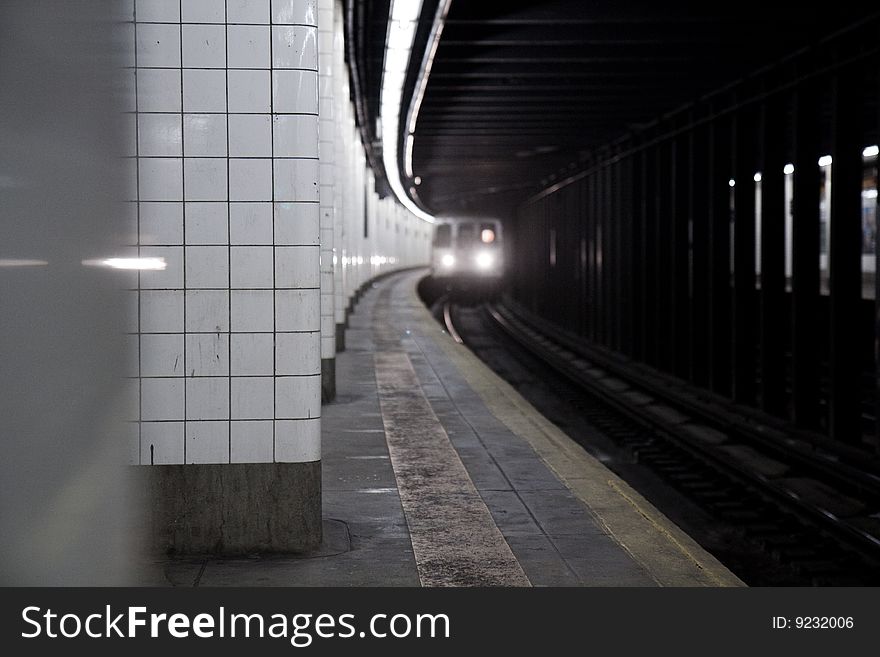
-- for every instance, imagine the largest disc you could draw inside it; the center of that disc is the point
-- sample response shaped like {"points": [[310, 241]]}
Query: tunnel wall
{"points": [[711, 246], [250, 183]]}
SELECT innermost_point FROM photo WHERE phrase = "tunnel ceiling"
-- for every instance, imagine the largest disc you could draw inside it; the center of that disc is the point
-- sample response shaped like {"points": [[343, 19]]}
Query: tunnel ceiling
{"points": [[522, 88]]}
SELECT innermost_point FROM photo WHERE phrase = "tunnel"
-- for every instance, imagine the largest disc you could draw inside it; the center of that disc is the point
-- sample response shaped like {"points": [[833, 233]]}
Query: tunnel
{"points": [[440, 293]]}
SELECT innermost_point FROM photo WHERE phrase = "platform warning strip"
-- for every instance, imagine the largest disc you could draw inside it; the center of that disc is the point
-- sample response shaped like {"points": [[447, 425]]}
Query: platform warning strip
{"points": [[455, 540]]}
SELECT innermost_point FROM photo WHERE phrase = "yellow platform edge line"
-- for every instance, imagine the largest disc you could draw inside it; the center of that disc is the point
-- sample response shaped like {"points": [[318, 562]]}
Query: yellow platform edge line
{"points": [[668, 554]]}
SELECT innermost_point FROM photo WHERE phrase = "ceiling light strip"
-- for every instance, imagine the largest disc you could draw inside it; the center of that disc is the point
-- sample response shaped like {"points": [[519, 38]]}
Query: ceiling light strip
{"points": [[402, 26]]}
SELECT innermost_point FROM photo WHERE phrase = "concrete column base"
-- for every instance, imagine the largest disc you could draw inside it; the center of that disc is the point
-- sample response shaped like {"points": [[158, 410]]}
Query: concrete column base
{"points": [[328, 380], [237, 508], [340, 338]]}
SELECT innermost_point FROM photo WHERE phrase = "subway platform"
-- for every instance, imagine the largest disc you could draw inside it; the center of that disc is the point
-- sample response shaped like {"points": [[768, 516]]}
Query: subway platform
{"points": [[438, 473]]}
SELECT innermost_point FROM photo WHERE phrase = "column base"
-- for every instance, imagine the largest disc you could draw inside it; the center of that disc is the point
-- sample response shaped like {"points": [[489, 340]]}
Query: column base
{"points": [[328, 380], [340, 338], [237, 508]]}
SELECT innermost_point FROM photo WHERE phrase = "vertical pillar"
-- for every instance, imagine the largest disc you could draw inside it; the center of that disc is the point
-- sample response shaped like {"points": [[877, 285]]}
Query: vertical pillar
{"points": [[340, 256], [844, 259], [229, 331], [745, 318], [681, 302], [701, 293], [806, 323], [773, 314], [720, 171], [326, 147]]}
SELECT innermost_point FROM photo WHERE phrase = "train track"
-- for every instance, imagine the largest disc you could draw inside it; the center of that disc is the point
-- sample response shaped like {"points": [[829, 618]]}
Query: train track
{"points": [[795, 522]]}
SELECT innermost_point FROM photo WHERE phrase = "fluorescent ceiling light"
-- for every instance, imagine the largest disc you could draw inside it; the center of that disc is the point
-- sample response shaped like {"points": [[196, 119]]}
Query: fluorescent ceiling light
{"points": [[402, 25]]}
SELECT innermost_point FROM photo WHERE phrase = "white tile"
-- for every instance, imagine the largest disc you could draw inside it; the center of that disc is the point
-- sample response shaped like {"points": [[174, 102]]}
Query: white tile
{"points": [[205, 179], [296, 135], [207, 223], [252, 310], [250, 223], [160, 179], [297, 441], [167, 11], [252, 398], [207, 354], [161, 355], [161, 223], [126, 230], [207, 266], [158, 90], [162, 399], [250, 180], [249, 46], [203, 11], [295, 91], [172, 275], [298, 310], [294, 11], [161, 311], [207, 310], [252, 442], [297, 354], [204, 91], [159, 134], [297, 266], [297, 397], [251, 267], [204, 135], [204, 46], [207, 442], [252, 354], [250, 135], [158, 45], [296, 223], [294, 46], [161, 443], [207, 398], [247, 11], [249, 91], [296, 180]]}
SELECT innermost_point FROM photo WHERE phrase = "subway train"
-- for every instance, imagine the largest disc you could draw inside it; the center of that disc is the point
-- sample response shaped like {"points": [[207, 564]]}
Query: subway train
{"points": [[468, 255]]}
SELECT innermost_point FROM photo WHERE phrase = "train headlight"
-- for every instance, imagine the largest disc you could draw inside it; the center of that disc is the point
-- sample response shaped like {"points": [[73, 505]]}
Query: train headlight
{"points": [[484, 260], [447, 260]]}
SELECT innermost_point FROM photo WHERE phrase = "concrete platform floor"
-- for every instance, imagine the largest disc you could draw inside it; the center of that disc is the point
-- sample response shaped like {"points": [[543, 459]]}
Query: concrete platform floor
{"points": [[437, 473]]}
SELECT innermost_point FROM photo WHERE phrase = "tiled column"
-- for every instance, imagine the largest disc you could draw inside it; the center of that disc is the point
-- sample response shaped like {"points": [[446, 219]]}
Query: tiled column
{"points": [[340, 202], [326, 11], [227, 123]]}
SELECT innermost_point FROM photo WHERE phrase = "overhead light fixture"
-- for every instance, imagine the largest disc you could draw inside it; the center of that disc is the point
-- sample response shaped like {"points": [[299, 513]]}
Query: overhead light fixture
{"points": [[871, 151], [788, 169], [403, 21], [825, 161], [758, 177]]}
